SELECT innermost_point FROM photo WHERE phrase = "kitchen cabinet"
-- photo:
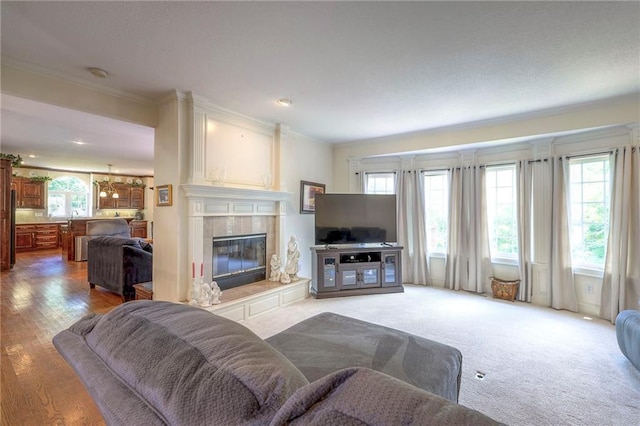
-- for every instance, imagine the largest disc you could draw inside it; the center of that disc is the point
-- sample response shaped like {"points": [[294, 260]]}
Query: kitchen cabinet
{"points": [[129, 197], [37, 236], [6, 216], [138, 228], [29, 193], [25, 237]]}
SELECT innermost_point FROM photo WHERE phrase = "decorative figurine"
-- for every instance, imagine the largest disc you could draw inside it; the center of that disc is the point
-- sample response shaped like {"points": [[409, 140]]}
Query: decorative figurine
{"points": [[293, 255], [275, 268], [205, 296], [216, 293], [284, 278]]}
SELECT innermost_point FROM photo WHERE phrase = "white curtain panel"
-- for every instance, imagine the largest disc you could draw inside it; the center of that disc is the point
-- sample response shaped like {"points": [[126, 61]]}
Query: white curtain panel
{"points": [[621, 281], [469, 266], [563, 291], [453, 270], [524, 182], [411, 227]]}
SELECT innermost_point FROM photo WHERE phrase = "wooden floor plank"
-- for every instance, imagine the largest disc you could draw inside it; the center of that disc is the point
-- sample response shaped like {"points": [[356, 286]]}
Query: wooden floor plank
{"points": [[40, 297]]}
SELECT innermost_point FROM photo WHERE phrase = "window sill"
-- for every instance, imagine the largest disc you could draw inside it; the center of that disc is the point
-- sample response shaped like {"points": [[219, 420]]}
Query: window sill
{"points": [[589, 272]]}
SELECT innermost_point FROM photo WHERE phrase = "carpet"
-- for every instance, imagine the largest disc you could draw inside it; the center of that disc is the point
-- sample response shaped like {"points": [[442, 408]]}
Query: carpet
{"points": [[539, 366]]}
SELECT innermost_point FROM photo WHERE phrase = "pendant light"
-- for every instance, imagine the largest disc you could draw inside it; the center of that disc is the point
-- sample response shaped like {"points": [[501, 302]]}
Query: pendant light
{"points": [[109, 190]]}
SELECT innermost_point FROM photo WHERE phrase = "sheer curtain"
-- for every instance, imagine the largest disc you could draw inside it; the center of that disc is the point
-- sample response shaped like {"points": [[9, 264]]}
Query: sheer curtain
{"points": [[411, 227], [468, 256], [524, 182], [563, 291], [621, 283]]}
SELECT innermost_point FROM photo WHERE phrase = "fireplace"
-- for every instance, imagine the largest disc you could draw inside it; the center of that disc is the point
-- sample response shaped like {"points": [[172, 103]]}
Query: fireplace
{"points": [[239, 259]]}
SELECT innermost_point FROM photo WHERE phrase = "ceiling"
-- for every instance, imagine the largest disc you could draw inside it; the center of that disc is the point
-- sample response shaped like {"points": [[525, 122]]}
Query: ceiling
{"points": [[354, 70]]}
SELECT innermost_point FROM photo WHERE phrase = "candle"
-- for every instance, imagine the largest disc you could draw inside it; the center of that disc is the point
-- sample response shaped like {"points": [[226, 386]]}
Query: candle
{"points": [[202, 269], [193, 269]]}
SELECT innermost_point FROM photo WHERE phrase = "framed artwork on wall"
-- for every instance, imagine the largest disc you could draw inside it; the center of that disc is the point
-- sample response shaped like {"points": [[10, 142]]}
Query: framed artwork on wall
{"points": [[164, 195], [308, 191]]}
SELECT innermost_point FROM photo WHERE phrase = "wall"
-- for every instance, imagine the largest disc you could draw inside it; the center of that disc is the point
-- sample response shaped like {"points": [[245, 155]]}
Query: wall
{"points": [[587, 283], [40, 215]]}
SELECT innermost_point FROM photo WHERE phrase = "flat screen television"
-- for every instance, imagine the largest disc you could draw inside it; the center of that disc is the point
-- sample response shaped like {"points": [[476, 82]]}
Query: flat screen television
{"points": [[355, 219]]}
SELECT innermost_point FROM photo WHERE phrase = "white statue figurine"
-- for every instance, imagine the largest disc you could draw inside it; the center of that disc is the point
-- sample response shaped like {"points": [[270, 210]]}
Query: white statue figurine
{"points": [[284, 278], [216, 293], [293, 255], [205, 295], [275, 268]]}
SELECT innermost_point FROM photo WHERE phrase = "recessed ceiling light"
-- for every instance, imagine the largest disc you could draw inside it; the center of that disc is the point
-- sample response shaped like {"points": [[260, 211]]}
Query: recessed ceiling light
{"points": [[31, 156], [78, 142], [284, 102], [98, 72]]}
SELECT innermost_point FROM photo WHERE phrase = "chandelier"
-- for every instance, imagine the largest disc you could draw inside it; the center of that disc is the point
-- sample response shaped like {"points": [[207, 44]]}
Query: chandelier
{"points": [[108, 189]]}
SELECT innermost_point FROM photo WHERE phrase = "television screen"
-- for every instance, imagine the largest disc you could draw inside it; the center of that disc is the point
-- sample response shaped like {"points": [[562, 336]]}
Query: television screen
{"points": [[355, 219]]}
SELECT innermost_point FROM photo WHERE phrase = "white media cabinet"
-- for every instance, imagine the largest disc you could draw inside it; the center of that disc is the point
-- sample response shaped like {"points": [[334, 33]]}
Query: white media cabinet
{"points": [[354, 270]]}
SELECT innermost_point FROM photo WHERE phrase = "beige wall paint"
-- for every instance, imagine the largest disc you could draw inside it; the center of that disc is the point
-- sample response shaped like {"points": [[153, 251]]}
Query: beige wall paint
{"points": [[619, 111], [55, 91]]}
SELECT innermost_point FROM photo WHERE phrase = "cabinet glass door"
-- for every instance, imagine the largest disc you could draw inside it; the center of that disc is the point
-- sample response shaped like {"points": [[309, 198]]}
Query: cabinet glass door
{"points": [[329, 272], [370, 277], [389, 269], [349, 278]]}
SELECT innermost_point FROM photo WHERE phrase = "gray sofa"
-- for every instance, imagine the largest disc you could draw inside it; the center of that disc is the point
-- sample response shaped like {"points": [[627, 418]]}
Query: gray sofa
{"points": [[628, 335], [161, 363], [117, 263]]}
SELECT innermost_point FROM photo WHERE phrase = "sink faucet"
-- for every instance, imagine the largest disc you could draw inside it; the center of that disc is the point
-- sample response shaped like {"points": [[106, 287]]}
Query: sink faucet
{"points": [[74, 212]]}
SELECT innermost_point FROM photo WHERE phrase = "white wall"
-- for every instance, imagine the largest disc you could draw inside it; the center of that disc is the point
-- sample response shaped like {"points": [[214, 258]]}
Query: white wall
{"points": [[588, 285], [309, 160]]}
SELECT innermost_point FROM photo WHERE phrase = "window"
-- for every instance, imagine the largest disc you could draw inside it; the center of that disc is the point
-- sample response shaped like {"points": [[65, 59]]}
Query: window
{"points": [[502, 211], [380, 183], [68, 195], [436, 196], [589, 203]]}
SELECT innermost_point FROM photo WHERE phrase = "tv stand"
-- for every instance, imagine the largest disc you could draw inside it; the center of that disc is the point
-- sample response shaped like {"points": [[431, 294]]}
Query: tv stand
{"points": [[354, 270]]}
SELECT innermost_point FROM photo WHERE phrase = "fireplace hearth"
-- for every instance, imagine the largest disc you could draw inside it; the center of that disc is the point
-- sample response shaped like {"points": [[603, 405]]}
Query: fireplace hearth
{"points": [[239, 259]]}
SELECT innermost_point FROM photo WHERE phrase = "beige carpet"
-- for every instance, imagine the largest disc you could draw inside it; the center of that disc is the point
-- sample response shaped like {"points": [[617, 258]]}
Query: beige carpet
{"points": [[541, 366]]}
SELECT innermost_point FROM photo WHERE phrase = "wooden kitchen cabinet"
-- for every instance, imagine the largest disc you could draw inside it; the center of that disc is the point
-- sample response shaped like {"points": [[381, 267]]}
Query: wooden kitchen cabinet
{"points": [[29, 193], [37, 236], [25, 237], [138, 228], [129, 197]]}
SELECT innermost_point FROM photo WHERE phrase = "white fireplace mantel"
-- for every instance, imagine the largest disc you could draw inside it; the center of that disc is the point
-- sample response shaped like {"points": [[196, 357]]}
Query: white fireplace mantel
{"points": [[209, 200]]}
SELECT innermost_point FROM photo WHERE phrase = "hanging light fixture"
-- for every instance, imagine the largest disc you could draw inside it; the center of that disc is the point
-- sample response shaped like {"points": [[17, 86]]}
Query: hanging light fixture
{"points": [[109, 190]]}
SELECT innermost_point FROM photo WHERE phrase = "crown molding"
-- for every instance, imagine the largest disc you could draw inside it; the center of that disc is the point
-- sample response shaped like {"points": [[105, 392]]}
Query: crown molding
{"points": [[45, 72]]}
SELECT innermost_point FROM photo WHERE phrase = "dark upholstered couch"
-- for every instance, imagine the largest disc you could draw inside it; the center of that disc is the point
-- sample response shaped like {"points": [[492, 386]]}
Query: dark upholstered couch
{"points": [[161, 363], [116, 264]]}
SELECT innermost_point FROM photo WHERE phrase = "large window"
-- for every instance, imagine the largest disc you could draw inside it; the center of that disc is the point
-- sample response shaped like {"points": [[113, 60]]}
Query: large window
{"points": [[68, 195], [380, 183], [589, 194], [502, 211], [436, 196]]}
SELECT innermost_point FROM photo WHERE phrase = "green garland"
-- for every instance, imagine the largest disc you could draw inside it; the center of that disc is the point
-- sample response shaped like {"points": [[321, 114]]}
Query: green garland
{"points": [[16, 160], [40, 178]]}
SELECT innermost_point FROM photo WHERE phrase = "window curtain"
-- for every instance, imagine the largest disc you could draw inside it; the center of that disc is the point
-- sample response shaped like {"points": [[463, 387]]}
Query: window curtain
{"points": [[468, 256], [563, 291], [411, 227], [524, 182], [621, 281]]}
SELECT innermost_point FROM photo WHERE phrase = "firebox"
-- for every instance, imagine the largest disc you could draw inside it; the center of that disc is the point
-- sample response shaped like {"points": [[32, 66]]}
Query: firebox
{"points": [[239, 259]]}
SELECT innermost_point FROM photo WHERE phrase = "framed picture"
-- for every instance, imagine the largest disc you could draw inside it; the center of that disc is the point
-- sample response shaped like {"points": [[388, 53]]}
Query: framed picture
{"points": [[164, 195], [308, 191]]}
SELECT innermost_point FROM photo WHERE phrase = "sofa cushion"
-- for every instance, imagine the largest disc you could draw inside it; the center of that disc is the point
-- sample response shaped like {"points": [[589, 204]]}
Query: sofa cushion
{"points": [[328, 342], [177, 365], [361, 396]]}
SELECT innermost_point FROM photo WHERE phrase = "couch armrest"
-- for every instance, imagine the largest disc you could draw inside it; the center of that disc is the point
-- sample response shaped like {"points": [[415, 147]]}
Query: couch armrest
{"points": [[137, 264]]}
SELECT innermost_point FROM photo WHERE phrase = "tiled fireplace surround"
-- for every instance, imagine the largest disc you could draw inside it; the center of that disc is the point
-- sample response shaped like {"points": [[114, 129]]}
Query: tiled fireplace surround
{"points": [[219, 211]]}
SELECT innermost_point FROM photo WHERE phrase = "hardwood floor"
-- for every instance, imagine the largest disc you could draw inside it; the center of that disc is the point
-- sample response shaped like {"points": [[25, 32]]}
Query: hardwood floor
{"points": [[41, 296]]}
